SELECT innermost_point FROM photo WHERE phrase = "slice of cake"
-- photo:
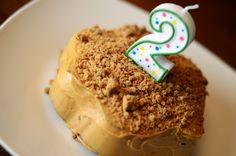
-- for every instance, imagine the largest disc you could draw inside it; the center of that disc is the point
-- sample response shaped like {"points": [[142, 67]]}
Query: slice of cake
{"points": [[115, 108]]}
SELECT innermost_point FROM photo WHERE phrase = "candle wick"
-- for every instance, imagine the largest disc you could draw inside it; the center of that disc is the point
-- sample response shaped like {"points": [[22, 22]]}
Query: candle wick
{"points": [[191, 7]]}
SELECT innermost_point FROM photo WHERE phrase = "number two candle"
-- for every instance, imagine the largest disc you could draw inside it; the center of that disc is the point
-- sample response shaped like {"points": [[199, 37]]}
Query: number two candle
{"points": [[174, 29]]}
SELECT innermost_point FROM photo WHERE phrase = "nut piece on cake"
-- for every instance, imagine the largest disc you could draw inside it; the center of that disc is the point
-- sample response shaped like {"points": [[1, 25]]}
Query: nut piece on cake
{"points": [[118, 109]]}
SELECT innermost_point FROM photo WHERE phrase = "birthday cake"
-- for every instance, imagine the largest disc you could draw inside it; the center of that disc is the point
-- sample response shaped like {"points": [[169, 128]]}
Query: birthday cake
{"points": [[115, 108]]}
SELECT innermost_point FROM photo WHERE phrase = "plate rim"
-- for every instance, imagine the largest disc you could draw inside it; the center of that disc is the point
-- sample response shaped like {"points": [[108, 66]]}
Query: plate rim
{"points": [[26, 6], [17, 13]]}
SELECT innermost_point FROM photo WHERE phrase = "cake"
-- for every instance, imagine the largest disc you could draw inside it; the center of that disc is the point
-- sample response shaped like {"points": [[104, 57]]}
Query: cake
{"points": [[115, 108]]}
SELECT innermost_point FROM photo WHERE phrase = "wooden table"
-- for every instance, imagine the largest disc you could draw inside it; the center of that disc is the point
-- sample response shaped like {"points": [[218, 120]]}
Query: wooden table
{"points": [[215, 23]]}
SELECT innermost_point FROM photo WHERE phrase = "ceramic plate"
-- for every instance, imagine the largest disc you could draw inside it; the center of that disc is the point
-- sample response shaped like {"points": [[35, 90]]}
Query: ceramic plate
{"points": [[30, 42]]}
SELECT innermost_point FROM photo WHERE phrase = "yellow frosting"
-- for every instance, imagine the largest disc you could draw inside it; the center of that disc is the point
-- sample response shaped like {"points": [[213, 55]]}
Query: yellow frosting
{"points": [[85, 116]]}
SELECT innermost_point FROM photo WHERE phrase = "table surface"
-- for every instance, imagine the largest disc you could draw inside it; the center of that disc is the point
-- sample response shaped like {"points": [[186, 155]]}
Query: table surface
{"points": [[215, 23]]}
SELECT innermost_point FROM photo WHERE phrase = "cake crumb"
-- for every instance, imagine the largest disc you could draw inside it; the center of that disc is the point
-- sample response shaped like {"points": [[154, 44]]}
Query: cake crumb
{"points": [[46, 90], [126, 114], [75, 135], [111, 87], [151, 117], [129, 103]]}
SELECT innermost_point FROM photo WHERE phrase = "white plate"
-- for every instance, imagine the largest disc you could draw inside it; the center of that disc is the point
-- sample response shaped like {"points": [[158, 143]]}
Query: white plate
{"points": [[29, 46]]}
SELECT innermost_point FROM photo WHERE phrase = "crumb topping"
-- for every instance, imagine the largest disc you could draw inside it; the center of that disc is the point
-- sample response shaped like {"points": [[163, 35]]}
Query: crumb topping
{"points": [[129, 103], [133, 100]]}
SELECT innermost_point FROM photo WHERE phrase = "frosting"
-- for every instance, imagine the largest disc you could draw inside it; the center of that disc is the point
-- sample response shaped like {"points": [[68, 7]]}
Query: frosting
{"points": [[87, 114]]}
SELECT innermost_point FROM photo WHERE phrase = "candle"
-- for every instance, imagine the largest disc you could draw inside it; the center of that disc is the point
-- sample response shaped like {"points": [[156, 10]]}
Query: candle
{"points": [[174, 30]]}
